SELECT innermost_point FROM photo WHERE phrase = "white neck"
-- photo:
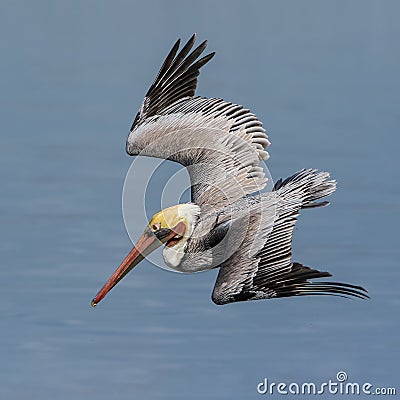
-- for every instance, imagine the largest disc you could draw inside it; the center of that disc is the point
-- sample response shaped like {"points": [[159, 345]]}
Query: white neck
{"points": [[173, 255]]}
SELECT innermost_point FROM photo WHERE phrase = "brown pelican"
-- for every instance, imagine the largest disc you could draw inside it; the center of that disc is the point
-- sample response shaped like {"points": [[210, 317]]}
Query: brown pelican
{"points": [[229, 224]]}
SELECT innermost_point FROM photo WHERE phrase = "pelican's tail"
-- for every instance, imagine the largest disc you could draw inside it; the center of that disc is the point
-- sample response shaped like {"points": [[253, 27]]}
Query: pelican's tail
{"points": [[306, 186]]}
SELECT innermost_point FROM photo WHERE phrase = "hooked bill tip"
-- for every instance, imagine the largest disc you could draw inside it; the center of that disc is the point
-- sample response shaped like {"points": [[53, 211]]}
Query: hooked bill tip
{"points": [[93, 303]]}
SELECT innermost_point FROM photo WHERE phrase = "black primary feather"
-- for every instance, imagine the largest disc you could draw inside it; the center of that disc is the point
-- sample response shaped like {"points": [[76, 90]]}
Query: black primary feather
{"points": [[176, 79]]}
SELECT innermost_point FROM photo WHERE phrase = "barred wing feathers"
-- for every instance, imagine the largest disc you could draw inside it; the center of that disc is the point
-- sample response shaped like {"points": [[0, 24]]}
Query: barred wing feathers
{"points": [[270, 271], [220, 143]]}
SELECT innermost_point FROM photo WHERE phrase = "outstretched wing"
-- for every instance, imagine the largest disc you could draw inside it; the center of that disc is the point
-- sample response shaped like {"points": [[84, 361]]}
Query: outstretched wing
{"points": [[268, 271], [220, 143], [176, 79]]}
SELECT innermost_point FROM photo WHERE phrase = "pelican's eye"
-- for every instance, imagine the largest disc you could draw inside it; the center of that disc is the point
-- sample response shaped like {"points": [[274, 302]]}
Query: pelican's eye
{"points": [[156, 227]]}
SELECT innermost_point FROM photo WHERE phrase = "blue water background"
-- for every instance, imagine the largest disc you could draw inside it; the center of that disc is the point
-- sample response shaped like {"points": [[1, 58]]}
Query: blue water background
{"points": [[324, 78]]}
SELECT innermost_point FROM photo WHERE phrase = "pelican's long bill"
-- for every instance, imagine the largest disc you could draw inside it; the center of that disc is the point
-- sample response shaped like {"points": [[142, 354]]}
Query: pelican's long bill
{"points": [[145, 245]]}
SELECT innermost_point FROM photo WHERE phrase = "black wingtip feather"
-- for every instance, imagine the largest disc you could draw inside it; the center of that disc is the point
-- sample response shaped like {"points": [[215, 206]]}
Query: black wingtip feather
{"points": [[179, 59], [177, 78], [182, 67], [166, 64], [316, 204], [322, 289], [297, 283]]}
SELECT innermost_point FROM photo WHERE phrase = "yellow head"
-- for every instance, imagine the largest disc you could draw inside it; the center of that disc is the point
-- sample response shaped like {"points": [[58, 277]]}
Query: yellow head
{"points": [[171, 217]]}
